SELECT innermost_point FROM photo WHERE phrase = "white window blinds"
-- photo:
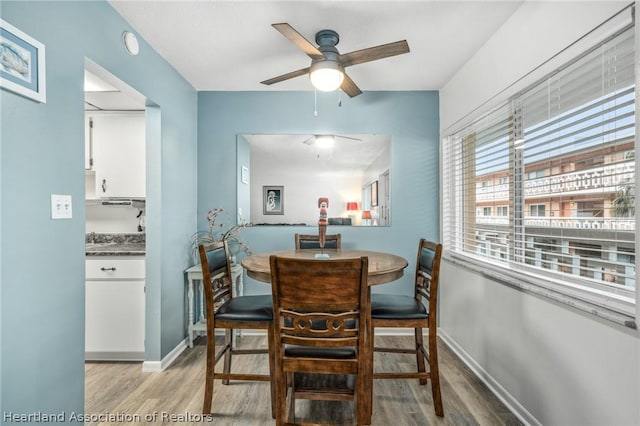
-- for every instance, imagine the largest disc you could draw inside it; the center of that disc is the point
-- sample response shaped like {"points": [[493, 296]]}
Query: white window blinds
{"points": [[559, 159]]}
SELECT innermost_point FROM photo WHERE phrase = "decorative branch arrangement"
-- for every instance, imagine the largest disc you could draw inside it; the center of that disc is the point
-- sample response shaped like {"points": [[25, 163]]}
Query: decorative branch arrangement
{"points": [[221, 231]]}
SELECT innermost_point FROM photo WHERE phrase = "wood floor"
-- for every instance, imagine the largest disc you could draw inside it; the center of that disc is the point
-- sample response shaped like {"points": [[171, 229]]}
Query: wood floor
{"points": [[120, 393]]}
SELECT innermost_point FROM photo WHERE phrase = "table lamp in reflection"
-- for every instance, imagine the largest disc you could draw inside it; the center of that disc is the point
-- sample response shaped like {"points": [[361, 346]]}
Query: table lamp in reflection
{"points": [[366, 217], [352, 207]]}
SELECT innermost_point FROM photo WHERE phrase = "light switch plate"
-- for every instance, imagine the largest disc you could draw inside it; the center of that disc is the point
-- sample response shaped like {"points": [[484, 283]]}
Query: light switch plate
{"points": [[61, 206]]}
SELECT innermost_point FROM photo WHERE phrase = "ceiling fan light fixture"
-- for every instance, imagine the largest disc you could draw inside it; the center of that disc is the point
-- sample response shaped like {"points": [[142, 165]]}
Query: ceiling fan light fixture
{"points": [[326, 76]]}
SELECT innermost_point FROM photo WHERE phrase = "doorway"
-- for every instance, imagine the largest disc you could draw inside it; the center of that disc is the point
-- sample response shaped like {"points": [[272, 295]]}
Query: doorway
{"points": [[115, 212]]}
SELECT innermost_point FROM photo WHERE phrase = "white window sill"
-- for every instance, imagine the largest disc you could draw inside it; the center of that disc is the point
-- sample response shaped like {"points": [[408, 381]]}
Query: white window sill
{"points": [[616, 308]]}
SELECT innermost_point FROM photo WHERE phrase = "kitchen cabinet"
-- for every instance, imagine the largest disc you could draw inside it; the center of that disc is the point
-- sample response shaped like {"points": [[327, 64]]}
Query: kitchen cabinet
{"points": [[117, 142], [115, 308]]}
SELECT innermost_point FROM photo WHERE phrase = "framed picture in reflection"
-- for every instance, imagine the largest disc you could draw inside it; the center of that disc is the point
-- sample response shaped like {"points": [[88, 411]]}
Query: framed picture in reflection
{"points": [[374, 193], [272, 199]]}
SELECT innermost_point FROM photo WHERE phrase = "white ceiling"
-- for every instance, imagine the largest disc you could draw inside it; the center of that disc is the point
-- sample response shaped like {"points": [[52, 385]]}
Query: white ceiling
{"points": [[230, 45]]}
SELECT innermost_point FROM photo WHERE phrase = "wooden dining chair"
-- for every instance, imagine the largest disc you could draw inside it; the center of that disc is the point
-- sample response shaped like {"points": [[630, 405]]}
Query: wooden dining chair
{"points": [[321, 317], [312, 241], [227, 312], [419, 312]]}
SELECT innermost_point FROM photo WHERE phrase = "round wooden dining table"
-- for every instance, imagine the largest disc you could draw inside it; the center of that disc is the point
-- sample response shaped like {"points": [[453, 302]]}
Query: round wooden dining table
{"points": [[383, 267]]}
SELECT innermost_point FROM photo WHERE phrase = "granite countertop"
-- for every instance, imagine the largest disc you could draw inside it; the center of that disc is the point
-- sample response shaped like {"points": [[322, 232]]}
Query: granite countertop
{"points": [[104, 244]]}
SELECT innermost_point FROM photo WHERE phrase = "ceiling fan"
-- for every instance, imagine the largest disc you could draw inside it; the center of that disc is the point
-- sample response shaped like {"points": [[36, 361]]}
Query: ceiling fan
{"points": [[327, 64], [325, 140]]}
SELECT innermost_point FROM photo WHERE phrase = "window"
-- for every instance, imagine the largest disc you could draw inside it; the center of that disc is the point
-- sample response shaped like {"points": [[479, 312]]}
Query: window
{"points": [[486, 211], [590, 208], [537, 173], [561, 151], [537, 210]]}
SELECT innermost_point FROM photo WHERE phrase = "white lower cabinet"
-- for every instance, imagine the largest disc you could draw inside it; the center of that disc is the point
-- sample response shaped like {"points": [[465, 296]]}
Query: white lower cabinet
{"points": [[114, 309]]}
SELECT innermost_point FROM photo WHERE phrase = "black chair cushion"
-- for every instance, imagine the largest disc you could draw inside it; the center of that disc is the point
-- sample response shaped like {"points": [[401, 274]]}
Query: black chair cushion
{"points": [[391, 306], [217, 259], [247, 308], [309, 352]]}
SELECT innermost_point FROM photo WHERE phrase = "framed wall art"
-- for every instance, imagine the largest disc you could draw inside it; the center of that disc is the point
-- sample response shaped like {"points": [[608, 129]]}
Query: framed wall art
{"points": [[272, 199], [374, 193], [22, 64]]}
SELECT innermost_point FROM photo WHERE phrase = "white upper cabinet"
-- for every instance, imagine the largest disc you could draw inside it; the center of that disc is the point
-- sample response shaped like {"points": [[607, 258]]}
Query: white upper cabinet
{"points": [[118, 144]]}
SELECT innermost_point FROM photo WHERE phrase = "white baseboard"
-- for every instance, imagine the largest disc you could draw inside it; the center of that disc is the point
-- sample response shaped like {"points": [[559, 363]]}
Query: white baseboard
{"points": [[501, 393], [113, 356], [154, 366]]}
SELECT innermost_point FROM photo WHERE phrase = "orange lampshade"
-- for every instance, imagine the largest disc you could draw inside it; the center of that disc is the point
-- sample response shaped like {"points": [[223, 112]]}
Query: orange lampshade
{"points": [[352, 205], [366, 214]]}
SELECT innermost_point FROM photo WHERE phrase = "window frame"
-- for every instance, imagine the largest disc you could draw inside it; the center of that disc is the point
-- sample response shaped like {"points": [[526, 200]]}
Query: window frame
{"points": [[618, 307]]}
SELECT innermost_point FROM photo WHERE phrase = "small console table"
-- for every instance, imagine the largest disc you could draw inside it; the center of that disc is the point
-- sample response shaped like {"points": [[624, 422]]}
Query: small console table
{"points": [[194, 273]]}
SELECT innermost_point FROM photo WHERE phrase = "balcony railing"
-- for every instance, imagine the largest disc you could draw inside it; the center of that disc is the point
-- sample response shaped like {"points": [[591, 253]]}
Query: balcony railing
{"points": [[606, 178], [603, 223], [492, 220], [493, 192]]}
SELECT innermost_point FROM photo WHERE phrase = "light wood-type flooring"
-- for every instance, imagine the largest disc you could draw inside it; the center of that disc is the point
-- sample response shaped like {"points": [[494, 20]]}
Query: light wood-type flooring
{"points": [[120, 393]]}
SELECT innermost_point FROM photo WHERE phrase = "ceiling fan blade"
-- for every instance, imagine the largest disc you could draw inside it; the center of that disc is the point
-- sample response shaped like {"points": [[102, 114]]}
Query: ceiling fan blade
{"points": [[296, 38], [374, 53], [286, 76], [349, 87]]}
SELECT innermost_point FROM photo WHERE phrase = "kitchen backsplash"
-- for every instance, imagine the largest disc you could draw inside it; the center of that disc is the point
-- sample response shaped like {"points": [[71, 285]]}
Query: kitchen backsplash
{"points": [[105, 238], [111, 219]]}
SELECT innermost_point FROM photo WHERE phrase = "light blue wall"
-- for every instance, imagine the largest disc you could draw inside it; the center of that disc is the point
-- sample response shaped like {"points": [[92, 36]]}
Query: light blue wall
{"points": [[42, 152], [410, 117]]}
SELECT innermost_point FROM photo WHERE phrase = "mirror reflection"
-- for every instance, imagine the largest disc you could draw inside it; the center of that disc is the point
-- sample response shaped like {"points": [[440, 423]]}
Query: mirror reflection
{"points": [[282, 176]]}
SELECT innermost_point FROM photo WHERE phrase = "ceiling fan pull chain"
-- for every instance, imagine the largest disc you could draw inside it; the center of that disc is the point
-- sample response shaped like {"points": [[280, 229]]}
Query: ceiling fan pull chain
{"points": [[339, 98], [315, 102]]}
